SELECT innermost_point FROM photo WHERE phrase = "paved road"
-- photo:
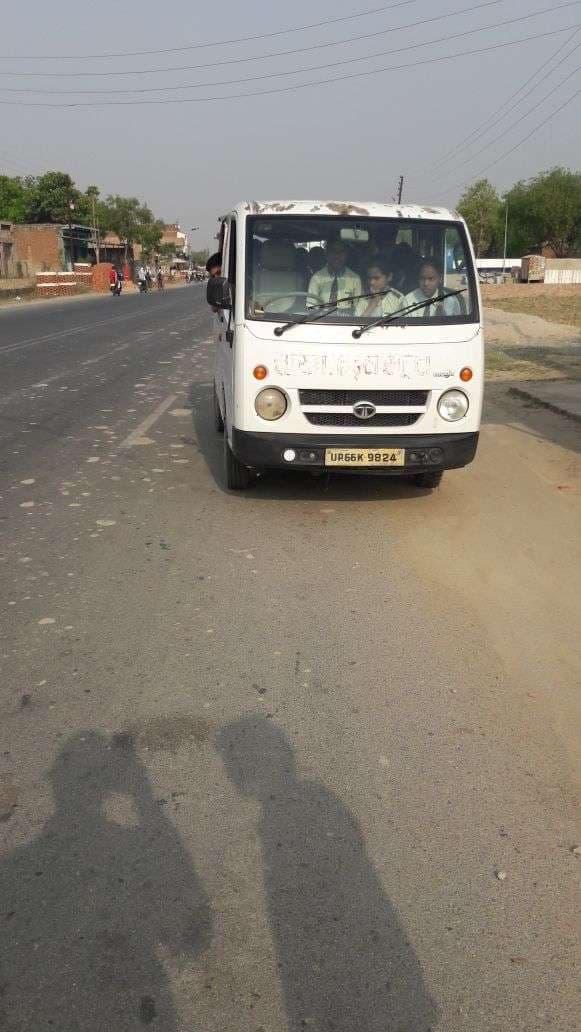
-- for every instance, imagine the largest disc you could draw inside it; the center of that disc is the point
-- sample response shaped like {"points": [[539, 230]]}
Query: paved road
{"points": [[304, 758]]}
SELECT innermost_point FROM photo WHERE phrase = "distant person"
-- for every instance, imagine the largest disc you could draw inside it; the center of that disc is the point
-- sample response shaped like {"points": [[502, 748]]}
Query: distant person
{"points": [[114, 281], [385, 299], [148, 277], [335, 280], [431, 285], [159, 279], [214, 265], [141, 279]]}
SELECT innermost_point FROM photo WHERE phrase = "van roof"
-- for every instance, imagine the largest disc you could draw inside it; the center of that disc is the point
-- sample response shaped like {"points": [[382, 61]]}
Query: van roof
{"points": [[347, 208]]}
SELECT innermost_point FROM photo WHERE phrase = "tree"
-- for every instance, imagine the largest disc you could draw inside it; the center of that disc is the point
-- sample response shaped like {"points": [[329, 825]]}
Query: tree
{"points": [[49, 198], [150, 235], [127, 217], [480, 206], [199, 257], [13, 191], [546, 210]]}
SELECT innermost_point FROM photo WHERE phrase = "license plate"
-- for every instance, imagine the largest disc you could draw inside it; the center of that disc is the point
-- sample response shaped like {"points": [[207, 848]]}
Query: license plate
{"points": [[364, 456]]}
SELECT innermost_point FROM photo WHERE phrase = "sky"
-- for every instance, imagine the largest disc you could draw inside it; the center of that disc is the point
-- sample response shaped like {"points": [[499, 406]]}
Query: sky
{"points": [[436, 123]]}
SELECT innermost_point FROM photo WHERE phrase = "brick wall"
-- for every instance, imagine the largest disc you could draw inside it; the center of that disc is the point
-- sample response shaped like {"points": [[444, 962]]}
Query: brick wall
{"points": [[37, 247]]}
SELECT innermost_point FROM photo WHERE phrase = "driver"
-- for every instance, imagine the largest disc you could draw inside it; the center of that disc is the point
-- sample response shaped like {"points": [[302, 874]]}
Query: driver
{"points": [[335, 279]]}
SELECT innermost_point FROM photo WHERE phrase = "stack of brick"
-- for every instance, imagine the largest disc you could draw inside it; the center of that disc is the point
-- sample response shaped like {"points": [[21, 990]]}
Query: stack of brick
{"points": [[84, 275], [56, 284], [100, 276]]}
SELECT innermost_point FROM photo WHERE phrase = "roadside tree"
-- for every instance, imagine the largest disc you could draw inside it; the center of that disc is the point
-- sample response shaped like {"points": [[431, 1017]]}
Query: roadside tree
{"points": [[546, 211], [480, 206], [13, 190], [127, 217]]}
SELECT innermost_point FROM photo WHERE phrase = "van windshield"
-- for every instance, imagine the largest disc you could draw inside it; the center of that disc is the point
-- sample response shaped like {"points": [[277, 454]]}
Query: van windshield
{"points": [[359, 269]]}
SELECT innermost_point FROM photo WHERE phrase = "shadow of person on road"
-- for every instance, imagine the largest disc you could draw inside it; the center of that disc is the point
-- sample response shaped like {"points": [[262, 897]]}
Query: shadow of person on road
{"points": [[90, 906], [345, 962]]}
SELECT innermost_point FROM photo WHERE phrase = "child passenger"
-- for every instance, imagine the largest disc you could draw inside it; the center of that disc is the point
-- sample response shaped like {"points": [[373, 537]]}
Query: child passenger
{"points": [[431, 284], [386, 299]]}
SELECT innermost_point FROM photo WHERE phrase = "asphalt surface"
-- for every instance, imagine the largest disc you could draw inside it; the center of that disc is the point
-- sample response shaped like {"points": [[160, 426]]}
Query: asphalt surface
{"points": [[302, 758]]}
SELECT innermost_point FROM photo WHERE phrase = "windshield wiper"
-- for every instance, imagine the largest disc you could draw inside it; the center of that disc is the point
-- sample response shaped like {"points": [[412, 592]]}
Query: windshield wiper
{"points": [[405, 311], [330, 305]]}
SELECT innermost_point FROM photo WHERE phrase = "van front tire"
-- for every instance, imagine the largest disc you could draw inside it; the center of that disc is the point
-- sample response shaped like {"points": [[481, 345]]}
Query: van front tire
{"points": [[238, 477]]}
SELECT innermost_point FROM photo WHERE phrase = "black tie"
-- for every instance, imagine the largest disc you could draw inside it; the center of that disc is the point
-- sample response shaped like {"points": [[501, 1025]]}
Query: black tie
{"points": [[333, 294]]}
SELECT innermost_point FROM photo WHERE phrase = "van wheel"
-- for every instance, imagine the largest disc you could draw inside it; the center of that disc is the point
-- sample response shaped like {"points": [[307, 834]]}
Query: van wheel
{"points": [[238, 476], [218, 421], [429, 480]]}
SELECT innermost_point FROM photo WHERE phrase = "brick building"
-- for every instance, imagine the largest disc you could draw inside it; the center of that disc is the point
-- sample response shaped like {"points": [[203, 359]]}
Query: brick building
{"points": [[43, 246], [6, 250], [174, 235]]}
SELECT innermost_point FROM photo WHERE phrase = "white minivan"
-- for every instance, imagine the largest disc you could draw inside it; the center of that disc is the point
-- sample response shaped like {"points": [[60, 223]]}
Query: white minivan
{"points": [[349, 339]]}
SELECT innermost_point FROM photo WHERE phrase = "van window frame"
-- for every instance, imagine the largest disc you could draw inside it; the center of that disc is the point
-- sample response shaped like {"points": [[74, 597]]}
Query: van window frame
{"points": [[462, 320]]}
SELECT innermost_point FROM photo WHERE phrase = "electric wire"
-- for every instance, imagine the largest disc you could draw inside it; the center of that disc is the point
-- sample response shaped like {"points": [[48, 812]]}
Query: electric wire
{"points": [[269, 75], [287, 53], [494, 116], [281, 89], [210, 43]]}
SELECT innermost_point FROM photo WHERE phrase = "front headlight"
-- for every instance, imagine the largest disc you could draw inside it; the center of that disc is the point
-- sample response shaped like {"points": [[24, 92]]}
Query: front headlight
{"points": [[453, 405], [270, 403]]}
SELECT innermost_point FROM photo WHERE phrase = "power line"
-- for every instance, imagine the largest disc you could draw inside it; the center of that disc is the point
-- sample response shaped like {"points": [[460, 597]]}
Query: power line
{"points": [[506, 154], [282, 89], [284, 53], [269, 75], [513, 125], [506, 104], [214, 43]]}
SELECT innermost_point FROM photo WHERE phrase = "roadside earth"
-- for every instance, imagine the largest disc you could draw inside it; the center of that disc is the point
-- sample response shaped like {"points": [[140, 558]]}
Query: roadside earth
{"points": [[521, 346]]}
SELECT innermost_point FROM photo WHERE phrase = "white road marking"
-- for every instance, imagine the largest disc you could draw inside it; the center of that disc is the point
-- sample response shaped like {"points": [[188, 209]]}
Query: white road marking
{"points": [[141, 430]]}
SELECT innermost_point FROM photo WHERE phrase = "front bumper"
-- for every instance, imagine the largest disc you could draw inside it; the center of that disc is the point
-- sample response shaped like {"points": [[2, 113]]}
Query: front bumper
{"points": [[265, 450]]}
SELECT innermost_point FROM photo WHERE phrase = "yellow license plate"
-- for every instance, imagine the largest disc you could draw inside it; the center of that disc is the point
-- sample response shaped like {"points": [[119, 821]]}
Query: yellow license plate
{"points": [[364, 456]]}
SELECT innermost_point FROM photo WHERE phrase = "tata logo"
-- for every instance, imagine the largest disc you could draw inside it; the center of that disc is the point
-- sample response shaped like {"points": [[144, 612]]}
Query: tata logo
{"points": [[364, 409]]}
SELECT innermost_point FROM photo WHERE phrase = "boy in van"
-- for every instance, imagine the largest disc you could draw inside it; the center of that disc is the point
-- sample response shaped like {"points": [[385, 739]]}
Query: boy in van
{"points": [[335, 279]]}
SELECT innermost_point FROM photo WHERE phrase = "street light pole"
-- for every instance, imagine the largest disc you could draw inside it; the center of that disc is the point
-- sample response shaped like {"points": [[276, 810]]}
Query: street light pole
{"points": [[505, 237], [71, 241]]}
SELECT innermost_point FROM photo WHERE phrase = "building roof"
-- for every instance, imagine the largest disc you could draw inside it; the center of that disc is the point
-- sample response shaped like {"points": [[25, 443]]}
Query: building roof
{"points": [[369, 209]]}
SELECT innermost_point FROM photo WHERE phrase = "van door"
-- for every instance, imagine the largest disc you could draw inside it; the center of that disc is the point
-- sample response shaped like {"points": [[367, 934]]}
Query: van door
{"points": [[220, 322], [226, 344]]}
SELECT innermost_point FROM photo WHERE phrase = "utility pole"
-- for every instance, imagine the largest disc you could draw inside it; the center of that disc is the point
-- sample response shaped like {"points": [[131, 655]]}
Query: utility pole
{"points": [[96, 231], [400, 190], [505, 238], [71, 241]]}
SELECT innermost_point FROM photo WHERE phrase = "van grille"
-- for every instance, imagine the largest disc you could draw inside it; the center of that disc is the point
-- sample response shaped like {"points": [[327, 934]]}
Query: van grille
{"points": [[349, 419], [350, 397]]}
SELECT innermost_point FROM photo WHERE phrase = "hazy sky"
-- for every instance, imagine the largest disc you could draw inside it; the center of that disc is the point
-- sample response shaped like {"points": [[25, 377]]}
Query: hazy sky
{"points": [[349, 139]]}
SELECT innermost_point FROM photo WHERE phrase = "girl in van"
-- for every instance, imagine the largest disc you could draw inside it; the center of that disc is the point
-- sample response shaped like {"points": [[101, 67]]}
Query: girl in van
{"points": [[386, 299], [431, 284]]}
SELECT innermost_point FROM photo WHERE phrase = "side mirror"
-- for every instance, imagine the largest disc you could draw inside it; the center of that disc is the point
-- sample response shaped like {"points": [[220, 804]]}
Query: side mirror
{"points": [[218, 292]]}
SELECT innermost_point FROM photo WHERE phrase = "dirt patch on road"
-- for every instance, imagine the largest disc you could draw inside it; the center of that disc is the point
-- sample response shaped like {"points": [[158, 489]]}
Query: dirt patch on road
{"points": [[521, 343], [556, 304]]}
